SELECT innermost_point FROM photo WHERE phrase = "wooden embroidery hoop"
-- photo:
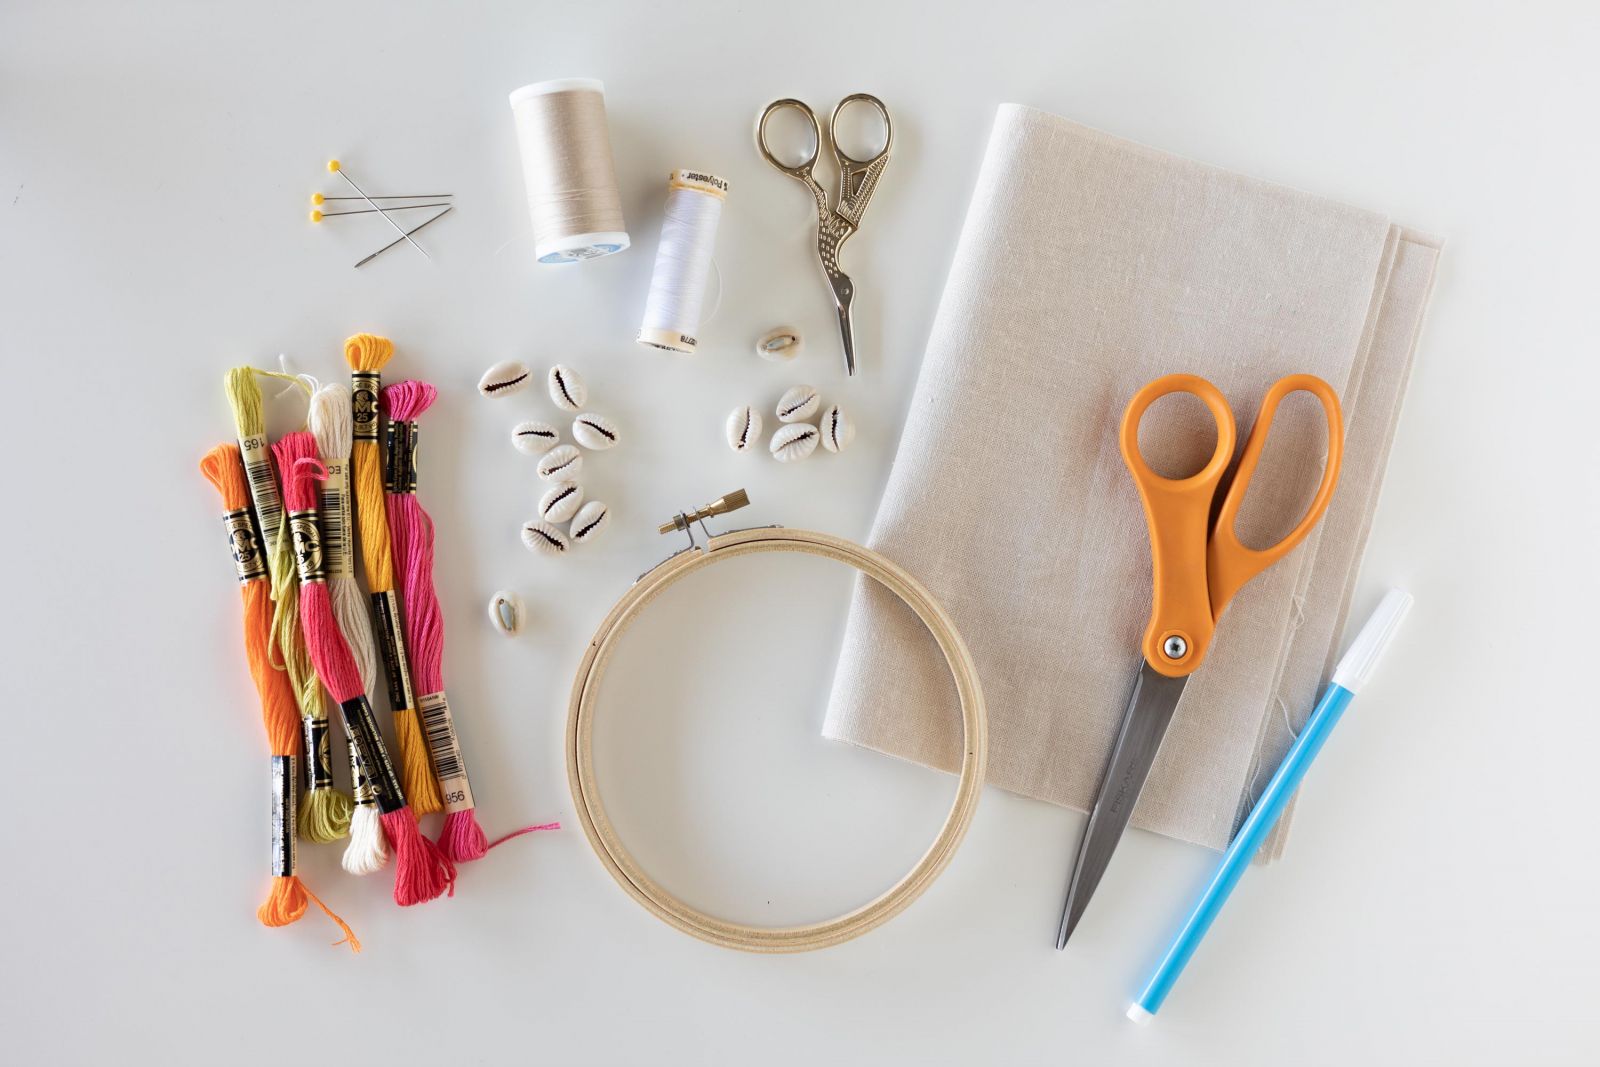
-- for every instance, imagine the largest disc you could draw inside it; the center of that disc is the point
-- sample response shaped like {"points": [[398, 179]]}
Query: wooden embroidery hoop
{"points": [[580, 728]]}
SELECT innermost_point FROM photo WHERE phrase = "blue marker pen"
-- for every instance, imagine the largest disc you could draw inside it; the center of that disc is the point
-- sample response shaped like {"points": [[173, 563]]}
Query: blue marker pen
{"points": [[1348, 678]]}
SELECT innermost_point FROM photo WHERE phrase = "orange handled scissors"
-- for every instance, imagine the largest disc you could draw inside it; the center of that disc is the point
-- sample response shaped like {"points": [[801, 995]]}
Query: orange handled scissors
{"points": [[1197, 565]]}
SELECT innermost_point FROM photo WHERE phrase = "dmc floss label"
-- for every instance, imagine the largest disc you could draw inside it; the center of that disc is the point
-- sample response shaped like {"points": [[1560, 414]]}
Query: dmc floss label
{"points": [[363, 731], [360, 786], [249, 562], [284, 794], [334, 516], [257, 457], [364, 386], [683, 258], [400, 458], [445, 751], [307, 542], [319, 753], [391, 639], [567, 167]]}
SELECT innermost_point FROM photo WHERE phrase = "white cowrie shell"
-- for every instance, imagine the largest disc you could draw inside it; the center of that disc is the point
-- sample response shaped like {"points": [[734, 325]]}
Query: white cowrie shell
{"points": [[503, 379], [744, 428], [560, 502], [794, 442], [589, 521], [561, 463], [545, 539], [567, 390], [534, 437], [836, 428], [505, 612], [594, 431], [779, 345], [799, 402]]}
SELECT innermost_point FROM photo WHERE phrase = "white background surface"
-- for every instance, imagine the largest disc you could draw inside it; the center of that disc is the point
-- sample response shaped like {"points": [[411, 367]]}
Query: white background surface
{"points": [[1437, 902]]}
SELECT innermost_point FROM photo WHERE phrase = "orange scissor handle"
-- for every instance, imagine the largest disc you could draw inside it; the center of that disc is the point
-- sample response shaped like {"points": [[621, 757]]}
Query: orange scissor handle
{"points": [[1195, 570], [1178, 514], [1229, 564]]}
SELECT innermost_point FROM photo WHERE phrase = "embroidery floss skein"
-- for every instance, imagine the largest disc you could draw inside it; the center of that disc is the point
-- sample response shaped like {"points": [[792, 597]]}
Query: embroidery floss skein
{"points": [[367, 355], [568, 169], [286, 900], [683, 259], [422, 872], [330, 421], [324, 811]]}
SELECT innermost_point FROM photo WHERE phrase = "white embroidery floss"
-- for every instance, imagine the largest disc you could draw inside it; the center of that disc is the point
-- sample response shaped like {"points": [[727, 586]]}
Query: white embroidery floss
{"points": [[567, 167], [683, 261]]}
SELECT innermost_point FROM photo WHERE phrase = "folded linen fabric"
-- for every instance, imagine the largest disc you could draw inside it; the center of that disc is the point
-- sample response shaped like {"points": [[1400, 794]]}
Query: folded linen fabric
{"points": [[1088, 266]]}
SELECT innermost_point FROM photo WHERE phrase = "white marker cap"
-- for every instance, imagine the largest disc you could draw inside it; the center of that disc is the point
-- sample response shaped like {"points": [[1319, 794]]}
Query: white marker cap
{"points": [[1368, 647], [1139, 1015]]}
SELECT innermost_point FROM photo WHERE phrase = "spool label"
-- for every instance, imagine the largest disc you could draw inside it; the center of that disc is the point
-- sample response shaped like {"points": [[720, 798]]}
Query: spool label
{"points": [[581, 253], [249, 561], [364, 386], [307, 541], [445, 751], [363, 730], [257, 457], [283, 816], [319, 756], [400, 457], [391, 638], [360, 787], [338, 546]]}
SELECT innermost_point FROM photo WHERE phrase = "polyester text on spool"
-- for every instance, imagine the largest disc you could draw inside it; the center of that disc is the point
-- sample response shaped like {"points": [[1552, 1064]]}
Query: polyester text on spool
{"points": [[567, 165], [678, 281]]}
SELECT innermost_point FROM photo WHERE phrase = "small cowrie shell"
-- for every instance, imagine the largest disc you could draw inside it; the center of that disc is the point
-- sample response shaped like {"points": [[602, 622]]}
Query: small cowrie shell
{"points": [[505, 612], [779, 345], [837, 429], [795, 441], [589, 521], [594, 431], [560, 502], [503, 379], [567, 390], [534, 437], [799, 402], [744, 428], [561, 463], [543, 538]]}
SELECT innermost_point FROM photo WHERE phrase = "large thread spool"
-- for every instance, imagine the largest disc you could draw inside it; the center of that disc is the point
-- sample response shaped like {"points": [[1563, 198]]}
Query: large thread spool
{"points": [[566, 162], [683, 261]]}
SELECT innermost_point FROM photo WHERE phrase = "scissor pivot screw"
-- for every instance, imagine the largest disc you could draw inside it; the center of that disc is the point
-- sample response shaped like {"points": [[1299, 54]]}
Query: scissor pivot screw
{"points": [[1175, 647]]}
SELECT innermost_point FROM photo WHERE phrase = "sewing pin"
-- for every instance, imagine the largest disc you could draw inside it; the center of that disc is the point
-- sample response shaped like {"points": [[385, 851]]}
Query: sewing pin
{"points": [[318, 216], [318, 198], [406, 234], [333, 165]]}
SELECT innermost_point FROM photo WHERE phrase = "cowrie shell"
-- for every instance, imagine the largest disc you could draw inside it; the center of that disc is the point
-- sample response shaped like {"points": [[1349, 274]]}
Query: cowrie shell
{"points": [[560, 502], [779, 345], [534, 437], [505, 612], [561, 463], [744, 428], [545, 539], [798, 403], [503, 379], [794, 442], [567, 390], [836, 428], [594, 431], [589, 521]]}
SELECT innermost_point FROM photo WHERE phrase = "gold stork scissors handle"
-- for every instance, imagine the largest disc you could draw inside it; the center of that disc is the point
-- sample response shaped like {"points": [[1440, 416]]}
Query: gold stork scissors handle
{"points": [[858, 179]]}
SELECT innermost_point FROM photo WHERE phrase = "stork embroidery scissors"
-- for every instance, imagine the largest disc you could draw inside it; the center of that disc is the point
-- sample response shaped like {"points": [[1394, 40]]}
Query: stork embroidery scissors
{"points": [[857, 179], [1197, 565]]}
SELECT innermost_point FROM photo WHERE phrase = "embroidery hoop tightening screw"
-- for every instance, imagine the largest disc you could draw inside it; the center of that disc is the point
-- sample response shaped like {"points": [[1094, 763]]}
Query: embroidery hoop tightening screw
{"points": [[684, 520]]}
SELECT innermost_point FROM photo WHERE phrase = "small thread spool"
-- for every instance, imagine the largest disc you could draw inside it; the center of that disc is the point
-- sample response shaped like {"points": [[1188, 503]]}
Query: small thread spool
{"points": [[567, 165], [678, 282]]}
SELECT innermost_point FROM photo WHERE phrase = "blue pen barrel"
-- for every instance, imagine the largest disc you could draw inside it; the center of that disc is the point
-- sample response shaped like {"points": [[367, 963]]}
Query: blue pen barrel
{"points": [[1243, 847]]}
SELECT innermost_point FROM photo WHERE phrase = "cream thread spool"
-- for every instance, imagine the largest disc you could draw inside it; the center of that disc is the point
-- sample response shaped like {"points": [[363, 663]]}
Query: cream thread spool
{"points": [[683, 259], [566, 162]]}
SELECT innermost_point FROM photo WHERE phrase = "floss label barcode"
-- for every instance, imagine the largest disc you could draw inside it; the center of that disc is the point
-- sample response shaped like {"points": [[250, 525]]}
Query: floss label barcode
{"points": [[445, 750]]}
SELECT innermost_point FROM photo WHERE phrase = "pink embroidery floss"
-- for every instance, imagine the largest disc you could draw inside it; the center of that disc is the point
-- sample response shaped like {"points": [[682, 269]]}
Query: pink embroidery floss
{"points": [[411, 531], [422, 871]]}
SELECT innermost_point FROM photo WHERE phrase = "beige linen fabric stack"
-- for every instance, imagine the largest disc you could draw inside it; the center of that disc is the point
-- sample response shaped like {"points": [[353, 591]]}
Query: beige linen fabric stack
{"points": [[1087, 267]]}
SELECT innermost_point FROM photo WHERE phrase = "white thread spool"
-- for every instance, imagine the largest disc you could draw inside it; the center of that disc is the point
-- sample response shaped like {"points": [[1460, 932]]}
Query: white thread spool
{"points": [[678, 282], [566, 163]]}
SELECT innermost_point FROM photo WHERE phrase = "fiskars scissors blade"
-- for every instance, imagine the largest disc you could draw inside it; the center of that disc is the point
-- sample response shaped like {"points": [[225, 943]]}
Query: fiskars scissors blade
{"points": [[1144, 724]]}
